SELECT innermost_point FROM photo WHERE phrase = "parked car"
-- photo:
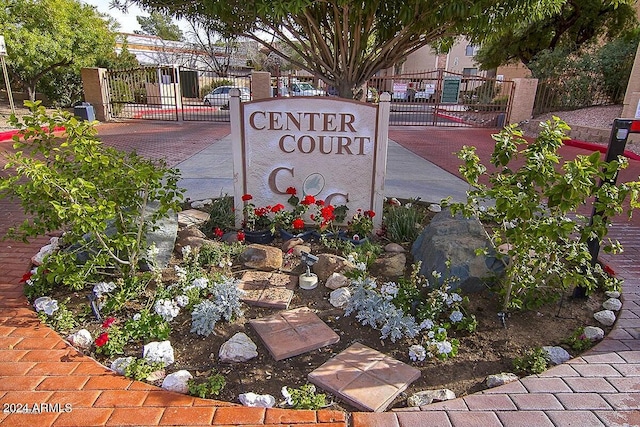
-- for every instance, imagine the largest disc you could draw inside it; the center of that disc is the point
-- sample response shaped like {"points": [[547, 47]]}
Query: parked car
{"points": [[219, 97], [305, 89]]}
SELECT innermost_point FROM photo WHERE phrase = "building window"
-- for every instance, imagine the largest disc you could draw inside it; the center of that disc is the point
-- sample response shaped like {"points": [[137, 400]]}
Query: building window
{"points": [[469, 71], [470, 50]]}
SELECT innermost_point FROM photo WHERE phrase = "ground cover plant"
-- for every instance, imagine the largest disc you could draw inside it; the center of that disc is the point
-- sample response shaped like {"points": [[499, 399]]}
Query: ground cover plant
{"points": [[456, 340]]}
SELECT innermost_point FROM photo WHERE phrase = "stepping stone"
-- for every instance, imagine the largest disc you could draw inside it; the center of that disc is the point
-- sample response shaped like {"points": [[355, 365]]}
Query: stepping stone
{"points": [[265, 289], [192, 217], [364, 377], [293, 332]]}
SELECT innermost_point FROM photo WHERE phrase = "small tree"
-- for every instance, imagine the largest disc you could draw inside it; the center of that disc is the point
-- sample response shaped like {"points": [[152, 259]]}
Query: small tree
{"points": [[98, 197], [533, 209]]}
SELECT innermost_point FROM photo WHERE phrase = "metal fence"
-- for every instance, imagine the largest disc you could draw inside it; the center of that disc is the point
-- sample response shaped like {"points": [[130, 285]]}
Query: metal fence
{"points": [[575, 91], [169, 93], [440, 98]]}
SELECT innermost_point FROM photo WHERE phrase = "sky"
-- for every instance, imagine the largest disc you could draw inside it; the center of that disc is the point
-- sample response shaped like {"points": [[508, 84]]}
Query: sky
{"points": [[128, 22]]}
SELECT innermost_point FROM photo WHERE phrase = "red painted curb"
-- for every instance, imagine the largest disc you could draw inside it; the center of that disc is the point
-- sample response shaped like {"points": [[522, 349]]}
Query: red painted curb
{"points": [[597, 147], [8, 134]]}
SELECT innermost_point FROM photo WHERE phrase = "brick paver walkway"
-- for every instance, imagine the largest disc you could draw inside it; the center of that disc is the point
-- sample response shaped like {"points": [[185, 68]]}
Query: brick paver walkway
{"points": [[601, 388]]}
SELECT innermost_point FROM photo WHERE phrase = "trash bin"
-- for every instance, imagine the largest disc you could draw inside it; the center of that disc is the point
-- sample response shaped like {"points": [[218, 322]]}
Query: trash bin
{"points": [[84, 111], [500, 120]]}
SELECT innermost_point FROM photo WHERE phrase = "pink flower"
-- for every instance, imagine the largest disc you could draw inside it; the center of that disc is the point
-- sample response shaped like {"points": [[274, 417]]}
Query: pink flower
{"points": [[108, 322]]}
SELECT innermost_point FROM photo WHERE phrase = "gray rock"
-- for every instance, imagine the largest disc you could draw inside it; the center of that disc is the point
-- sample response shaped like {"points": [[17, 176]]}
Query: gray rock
{"points": [[456, 239], [262, 257], [593, 333], [389, 265], [393, 247], [612, 294], [159, 352], [612, 304], [434, 207], [339, 298], [426, 397], [177, 381], [557, 355], [605, 317], [82, 339], [328, 264], [500, 379], [239, 348], [164, 236], [121, 363], [257, 400], [336, 281]]}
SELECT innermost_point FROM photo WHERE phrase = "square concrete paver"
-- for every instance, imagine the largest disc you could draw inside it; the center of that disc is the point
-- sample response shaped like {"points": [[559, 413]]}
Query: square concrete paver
{"points": [[293, 332], [264, 289], [364, 377]]}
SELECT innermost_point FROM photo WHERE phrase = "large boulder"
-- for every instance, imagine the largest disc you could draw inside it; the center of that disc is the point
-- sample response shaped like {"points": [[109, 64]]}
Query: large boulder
{"points": [[262, 257], [328, 264], [456, 239]]}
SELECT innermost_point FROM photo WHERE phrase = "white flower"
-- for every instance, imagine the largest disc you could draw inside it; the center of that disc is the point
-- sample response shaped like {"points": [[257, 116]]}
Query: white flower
{"points": [[167, 309], [186, 251], [417, 353], [444, 347], [426, 324], [103, 288], [181, 272], [389, 290], [431, 334], [46, 304], [182, 300], [152, 252], [287, 396], [200, 282], [137, 317], [436, 275], [456, 316], [408, 205], [441, 330]]}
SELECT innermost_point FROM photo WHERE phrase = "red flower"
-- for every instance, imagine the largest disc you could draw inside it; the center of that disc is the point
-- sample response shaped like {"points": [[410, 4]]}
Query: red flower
{"points": [[247, 197], [219, 233], [308, 200], [370, 214], [320, 202], [277, 208], [240, 236], [108, 322], [261, 211], [298, 224], [607, 269], [102, 339], [26, 277], [291, 190]]}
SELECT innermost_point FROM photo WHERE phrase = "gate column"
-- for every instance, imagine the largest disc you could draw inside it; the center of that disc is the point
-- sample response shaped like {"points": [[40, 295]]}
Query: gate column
{"points": [[94, 85], [522, 100]]}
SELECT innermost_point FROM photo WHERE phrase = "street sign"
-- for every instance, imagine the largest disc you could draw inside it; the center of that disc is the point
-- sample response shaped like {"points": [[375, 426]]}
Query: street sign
{"points": [[3, 47]]}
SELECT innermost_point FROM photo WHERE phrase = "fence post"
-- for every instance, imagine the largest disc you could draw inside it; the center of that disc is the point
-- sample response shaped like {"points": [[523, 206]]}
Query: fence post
{"points": [[96, 92], [261, 85], [524, 96]]}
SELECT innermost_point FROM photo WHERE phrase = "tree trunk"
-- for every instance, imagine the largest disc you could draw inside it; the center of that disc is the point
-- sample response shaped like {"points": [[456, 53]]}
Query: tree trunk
{"points": [[31, 89]]}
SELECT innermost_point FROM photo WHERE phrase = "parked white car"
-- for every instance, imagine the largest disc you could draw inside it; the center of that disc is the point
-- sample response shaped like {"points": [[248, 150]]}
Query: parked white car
{"points": [[219, 97], [305, 89]]}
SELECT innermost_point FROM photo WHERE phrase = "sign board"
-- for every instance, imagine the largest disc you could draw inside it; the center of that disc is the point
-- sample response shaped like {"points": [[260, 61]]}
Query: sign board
{"points": [[3, 47], [330, 148], [430, 88], [450, 90]]}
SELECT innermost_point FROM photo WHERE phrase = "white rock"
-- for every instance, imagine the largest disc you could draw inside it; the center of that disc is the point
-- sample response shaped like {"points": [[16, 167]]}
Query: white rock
{"points": [[156, 375], [199, 204], [81, 340], [159, 352], [177, 381], [613, 304], [121, 363], [426, 397], [46, 304], [336, 281], [340, 297], [500, 379], [239, 348], [593, 333], [605, 317], [557, 355], [257, 400], [45, 250], [612, 294], [434, 207]]}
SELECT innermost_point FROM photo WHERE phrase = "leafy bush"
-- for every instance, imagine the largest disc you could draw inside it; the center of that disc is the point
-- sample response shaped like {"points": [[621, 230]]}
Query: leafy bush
{"points": [[534, 361], [140, 369], [221, 216], [224, 303], [212, 386], [304, 397], [97, 196], [403, 224], [545, 243]]}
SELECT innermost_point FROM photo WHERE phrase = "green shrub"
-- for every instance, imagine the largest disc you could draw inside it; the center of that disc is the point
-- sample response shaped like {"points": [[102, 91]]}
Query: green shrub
{"points": [[534, 361], [212, 386], [403, 224]]}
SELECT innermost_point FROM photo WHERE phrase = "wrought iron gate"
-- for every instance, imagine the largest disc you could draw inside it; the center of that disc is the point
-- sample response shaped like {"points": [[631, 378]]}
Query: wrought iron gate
{"points": [[169, 93], [440, 98]]}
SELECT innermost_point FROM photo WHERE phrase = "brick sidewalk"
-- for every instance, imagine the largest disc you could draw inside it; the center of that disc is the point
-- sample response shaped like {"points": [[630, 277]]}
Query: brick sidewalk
{"points": [[601, 388]]}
